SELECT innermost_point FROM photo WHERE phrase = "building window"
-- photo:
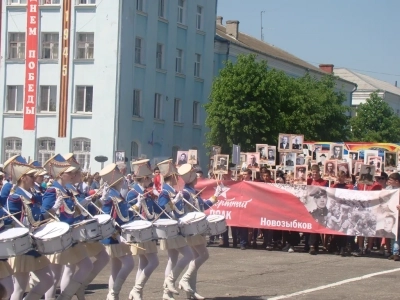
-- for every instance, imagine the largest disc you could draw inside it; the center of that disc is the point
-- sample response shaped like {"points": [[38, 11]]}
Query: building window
{"points": [[85, 46], [136, 103], [16, 45], [139, 51], [50, 45], [81, 150], [84, 99], [12, 146], [157, 106], [48, 98], [179, 61], [50, 2], [159, 56], [83, 2], [196, 113], [46, 149], [181, 11], [15, 98], [197, 65], [140, 5], [177, 110], [161, 8], [16, 2], [199, 18], [134, 150]]}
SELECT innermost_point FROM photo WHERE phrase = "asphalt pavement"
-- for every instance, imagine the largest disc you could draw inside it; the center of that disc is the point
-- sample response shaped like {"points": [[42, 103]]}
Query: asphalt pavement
{"points": [[259, 274]]}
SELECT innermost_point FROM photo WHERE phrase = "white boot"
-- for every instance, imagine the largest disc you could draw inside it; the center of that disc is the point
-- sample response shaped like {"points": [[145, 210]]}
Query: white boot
{"points": [[33, 280], [113, 294], [80, 293], [193, 283], [32, 296], [168, 295], [137, 291], [169, 282], [69, 291], [184, 284]]}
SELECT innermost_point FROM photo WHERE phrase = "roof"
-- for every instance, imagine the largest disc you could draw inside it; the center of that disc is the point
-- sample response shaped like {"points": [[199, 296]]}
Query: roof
{"points": [[253, 43], [364, 82]]}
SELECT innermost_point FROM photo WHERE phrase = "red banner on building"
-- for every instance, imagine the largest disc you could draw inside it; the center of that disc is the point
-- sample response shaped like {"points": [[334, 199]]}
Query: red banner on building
{"points": [[305, 208], [31, 64]]}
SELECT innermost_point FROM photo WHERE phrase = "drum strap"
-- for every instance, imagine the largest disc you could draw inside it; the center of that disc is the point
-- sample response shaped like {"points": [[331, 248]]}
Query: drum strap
{"points": [[27, 212], [147, 212], [118, 211], [194, 201]]}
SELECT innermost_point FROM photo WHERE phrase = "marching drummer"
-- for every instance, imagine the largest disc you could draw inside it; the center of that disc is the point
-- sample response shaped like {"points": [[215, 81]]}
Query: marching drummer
{"points": [[197, 243], [94, 249], [176, 245], [57, 199], [143, 205], [5, 269], [115, 205], [39, 177], [28, 210]]}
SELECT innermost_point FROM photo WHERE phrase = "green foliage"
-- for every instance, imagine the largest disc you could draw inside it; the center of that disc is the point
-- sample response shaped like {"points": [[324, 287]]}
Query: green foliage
{"points": [[250, 104], [375, 122]]}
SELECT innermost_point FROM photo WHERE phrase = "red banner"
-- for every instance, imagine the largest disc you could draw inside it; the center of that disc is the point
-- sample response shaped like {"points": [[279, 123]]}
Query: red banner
{"points": [[31, 62], [304, 208]]}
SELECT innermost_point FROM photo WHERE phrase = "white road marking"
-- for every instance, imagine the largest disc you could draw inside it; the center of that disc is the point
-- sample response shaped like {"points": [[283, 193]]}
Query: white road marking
{"points": [[323, 287]]}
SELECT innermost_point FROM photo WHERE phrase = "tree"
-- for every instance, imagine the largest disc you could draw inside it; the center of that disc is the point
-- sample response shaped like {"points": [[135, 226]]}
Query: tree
{"points": [[375, 122], [251, 104]]}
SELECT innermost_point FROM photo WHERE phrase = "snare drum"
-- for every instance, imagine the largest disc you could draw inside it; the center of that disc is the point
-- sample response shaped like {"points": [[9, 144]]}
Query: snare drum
{"points": [[193, 223], [137, 231], [216, 224], [14, 242], [106, 226], [85, 231], [165, 229], [51, 238]]}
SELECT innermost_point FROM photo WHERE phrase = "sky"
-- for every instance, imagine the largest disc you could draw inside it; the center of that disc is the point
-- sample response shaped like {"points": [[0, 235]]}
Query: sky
{"points": [[361, 35]]}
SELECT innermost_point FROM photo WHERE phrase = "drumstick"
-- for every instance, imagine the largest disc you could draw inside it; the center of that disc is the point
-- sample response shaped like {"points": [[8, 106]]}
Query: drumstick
{"points": [[5, 217], [163, 211], [140, 195], [135, 212], [190, 204], [199, 192], [138, 247], [12, 216], [81, 206]]}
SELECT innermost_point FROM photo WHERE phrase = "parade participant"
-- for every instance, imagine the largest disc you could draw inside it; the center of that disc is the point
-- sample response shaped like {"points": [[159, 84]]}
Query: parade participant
{"points": [[125, 185], [57, 199], [27, 209], [39, 178], [115, 205], [95, 250], [143, 205], [176, 245], [158, 181], [5, 269], [198, 242]]}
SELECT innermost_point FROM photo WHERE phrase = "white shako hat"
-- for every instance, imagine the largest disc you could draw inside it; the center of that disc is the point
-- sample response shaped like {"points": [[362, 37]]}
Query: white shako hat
{"points": [[187, 173], [167, 168], [70, 157], [40, 171], [141, 168], [111, 174], [57, 165], [16, 167]]}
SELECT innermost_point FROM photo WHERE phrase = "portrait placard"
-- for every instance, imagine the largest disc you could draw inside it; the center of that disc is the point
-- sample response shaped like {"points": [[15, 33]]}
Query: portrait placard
{"points": [[390, 161], [353, 155], [297, 142], [321, 157], [357, 167], [271, 155], [336, 151], [243, 162], [377, 162], [253, 160], [290, 161], [300, 174], [330, 169], [182, 158], [344, 167], [262, 149], [368, 153], [192, 155], [215, 150], [221, 164], [284, 142], [367, 174], [119, 156]]}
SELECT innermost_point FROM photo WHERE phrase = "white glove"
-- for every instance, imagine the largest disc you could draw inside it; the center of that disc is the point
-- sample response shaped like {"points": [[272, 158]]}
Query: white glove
{"points": [[121, 240], [106, 192], [177, 197], [58, 203], [218, 191]]}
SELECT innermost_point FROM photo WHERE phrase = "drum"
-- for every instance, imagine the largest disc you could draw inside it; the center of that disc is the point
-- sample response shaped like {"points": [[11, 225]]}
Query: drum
{"points": [[165, 229], [216, 224], [137, 231], [106, 226], [14, 241], [54, 237], [193, 223], [85, 231]]}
